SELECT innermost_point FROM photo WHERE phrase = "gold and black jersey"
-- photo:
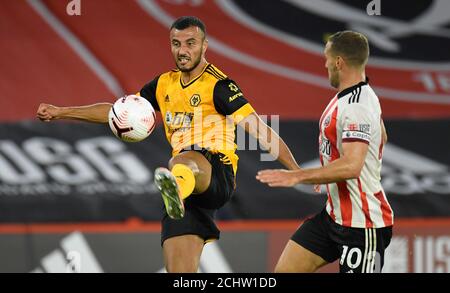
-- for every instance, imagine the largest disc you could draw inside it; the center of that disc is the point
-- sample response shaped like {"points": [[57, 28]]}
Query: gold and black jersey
{"points": [[201, 113]]}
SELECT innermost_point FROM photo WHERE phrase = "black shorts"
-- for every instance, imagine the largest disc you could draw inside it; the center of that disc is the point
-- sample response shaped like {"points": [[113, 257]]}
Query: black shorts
{"points": [[200, 209], [360, 250]]}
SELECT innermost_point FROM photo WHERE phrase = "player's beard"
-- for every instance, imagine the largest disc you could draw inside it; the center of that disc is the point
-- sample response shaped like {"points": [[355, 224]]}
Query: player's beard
{"points": [[334, 77], [196, 62]]}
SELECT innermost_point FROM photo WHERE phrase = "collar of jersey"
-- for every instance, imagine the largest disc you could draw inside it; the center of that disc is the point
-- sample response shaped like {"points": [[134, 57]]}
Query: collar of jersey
{"points": [[352, 88], [193, 80]]}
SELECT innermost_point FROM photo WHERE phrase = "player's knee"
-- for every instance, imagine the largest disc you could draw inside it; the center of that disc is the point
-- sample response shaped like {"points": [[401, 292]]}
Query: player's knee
{"points": [[185, 160]]}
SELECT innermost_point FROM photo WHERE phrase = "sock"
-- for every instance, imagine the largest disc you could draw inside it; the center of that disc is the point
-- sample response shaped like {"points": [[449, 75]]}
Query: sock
{"points": [[185, 179]]}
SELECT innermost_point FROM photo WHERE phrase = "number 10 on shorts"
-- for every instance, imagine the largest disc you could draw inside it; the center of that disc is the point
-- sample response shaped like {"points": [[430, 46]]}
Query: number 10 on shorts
{"points": [[355, 259]]}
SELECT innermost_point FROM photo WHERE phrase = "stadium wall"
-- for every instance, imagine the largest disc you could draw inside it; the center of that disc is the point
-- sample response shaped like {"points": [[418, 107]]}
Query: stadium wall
{"points": [[418, 245]]}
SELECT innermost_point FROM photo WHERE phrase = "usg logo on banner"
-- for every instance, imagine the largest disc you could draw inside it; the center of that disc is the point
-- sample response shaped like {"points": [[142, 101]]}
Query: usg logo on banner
{"points": [[43, 165]]}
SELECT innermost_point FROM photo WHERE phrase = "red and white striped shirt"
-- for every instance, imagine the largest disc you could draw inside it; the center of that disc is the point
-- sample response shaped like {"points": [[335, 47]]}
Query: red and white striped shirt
{"points": [[354, 114]]}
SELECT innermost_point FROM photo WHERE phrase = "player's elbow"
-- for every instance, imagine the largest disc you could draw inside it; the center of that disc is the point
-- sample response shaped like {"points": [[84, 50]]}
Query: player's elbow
{"points": [[354, 170]]}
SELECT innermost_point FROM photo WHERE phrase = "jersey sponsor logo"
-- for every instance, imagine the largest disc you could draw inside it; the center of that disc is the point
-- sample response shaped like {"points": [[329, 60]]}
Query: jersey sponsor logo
{"points": [[181, 121], [234, 97], [195, 100], [346, 134]]}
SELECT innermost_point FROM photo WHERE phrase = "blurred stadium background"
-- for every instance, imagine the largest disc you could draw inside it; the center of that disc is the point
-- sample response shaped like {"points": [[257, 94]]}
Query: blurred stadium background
{"points": [[72, 190]]}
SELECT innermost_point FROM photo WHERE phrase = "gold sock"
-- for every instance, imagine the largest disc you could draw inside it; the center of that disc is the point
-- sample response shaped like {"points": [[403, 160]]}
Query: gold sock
{"points": [[185, 179]]}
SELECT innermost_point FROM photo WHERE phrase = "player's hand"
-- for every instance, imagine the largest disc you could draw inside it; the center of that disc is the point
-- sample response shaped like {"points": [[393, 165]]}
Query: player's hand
{"points": [[278, 178], [47, 112]]}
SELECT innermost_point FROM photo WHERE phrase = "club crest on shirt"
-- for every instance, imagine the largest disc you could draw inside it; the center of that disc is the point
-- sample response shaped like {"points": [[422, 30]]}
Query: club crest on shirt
{"points": [[327, 121], [195, 100]]}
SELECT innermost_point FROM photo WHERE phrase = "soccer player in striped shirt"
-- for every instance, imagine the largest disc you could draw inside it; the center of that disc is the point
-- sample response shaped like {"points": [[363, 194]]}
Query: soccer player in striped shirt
{"points": [[356, 225]]}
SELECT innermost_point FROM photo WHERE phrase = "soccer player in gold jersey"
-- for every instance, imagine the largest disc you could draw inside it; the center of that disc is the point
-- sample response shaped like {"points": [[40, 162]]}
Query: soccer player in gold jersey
{"points": [[200, 107]]}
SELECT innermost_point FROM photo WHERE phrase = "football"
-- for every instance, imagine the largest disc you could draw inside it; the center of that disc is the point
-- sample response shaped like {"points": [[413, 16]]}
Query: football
{"points": [[132, 118]]}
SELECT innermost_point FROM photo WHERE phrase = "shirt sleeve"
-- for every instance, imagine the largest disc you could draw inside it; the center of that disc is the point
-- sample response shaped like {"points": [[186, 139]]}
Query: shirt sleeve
{"points": [[358, 123], [230, 101], [149, 92]]}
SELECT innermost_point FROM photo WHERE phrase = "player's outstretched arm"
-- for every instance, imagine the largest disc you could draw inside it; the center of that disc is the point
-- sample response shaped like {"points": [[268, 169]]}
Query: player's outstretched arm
{"points": [[348, 166], [97, 113], [269, 140]]}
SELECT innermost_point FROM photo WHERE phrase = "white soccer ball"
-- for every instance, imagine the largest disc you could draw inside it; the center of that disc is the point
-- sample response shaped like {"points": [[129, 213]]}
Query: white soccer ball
{"points": [[132, 118]]}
